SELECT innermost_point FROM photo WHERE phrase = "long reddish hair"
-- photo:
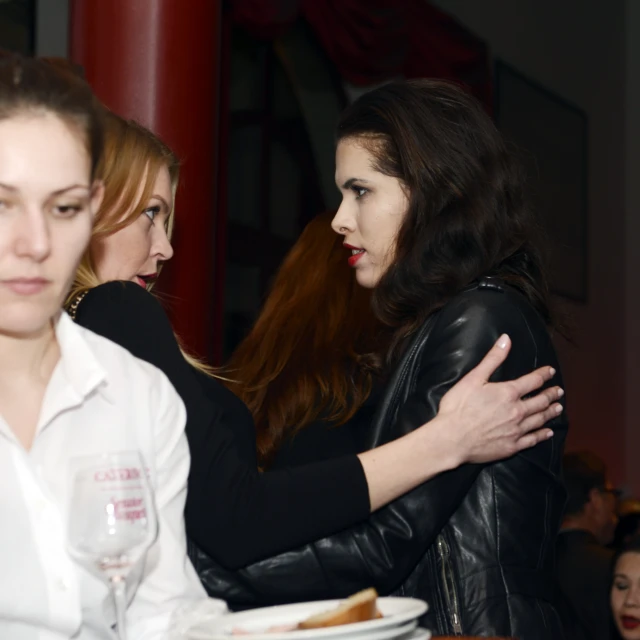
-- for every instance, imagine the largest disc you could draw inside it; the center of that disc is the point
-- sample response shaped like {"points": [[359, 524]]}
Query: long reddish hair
{"points": [[311, 353]]}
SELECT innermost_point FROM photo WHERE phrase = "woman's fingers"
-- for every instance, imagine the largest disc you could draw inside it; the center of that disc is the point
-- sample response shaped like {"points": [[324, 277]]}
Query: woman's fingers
{"points": [[491, 420], [531, 381], [541, 418], [539, 411], [522, 386], [532, 439], [541, 401], [481, 373]]}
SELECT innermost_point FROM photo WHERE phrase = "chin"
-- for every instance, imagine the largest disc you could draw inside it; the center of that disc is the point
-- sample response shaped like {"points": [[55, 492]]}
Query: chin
{"points": [[366, 278], [25, 325], [29, 316]]}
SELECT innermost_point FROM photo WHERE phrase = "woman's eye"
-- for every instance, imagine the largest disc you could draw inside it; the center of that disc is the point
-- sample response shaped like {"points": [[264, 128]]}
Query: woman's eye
{"points": [[151, 212], [359, 191], [67, 210], [620, 586]]}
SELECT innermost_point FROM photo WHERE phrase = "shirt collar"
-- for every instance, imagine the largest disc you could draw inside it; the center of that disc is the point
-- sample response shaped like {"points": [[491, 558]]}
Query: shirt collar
{"points": [[78, 361]]}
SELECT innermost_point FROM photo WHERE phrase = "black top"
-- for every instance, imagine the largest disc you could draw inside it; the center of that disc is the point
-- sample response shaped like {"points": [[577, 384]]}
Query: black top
{"points": [[234, 513], [584, 575], [324, 440]]}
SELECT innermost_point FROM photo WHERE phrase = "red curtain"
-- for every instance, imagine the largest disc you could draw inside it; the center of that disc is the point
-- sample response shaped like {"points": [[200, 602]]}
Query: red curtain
{"points": [[370, 41]]}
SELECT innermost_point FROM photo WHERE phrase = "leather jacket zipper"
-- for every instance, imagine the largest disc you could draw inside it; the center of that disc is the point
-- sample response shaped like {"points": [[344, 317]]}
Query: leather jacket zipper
{"points": [[449, 585]]}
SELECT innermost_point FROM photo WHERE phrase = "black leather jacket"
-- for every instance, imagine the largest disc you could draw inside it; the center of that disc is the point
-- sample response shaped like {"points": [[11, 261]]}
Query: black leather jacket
{"points": [[476, 543]]}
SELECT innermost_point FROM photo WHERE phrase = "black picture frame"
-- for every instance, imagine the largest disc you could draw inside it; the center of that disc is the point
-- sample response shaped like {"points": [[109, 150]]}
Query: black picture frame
{"points": [[551, 137], [18, 26]]}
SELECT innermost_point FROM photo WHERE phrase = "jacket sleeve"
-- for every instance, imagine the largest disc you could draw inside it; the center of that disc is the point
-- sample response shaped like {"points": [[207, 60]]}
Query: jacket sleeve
{"points": [[383, 551]]}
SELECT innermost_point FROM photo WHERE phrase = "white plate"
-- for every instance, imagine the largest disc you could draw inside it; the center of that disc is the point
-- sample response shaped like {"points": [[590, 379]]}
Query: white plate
{"points": [[406, 632], [397, 612]]}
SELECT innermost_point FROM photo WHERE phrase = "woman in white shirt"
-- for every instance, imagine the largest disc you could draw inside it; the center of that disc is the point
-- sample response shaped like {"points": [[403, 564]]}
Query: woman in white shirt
{"points": [[65, 392]]}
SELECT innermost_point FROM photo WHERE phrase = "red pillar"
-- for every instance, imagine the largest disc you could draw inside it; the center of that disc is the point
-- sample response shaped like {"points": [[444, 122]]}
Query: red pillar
{"points": [[157, 61]]}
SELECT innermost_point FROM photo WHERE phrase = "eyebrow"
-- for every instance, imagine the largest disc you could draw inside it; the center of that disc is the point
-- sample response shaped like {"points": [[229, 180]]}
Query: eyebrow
{"points": [[55, 193], [351, 181], [73, 186], [162, 200]]}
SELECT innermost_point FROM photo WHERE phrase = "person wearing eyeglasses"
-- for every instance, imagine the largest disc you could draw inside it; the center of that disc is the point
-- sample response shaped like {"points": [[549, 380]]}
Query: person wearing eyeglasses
{"points": [[583, 561]]}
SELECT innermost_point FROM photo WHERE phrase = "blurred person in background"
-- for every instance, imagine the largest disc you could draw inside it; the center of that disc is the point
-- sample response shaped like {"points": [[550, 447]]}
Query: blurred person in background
{"points": [[583, 561]]}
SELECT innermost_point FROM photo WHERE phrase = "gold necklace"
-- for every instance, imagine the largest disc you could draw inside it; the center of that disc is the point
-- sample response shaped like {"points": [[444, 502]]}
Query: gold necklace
{"points": [[72, 308]]}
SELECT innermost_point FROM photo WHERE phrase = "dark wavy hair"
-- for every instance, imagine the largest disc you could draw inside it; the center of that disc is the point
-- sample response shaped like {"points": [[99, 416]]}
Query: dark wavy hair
{"points": [[468, 215], [630, 546]]}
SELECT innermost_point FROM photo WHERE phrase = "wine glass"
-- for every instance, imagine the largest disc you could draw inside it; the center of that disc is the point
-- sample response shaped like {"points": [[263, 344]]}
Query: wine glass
{"points": [[112, 519]]}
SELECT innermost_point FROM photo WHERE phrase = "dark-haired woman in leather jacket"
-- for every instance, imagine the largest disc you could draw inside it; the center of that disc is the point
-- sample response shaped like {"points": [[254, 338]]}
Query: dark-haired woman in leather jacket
{"points": [[435, 221]]}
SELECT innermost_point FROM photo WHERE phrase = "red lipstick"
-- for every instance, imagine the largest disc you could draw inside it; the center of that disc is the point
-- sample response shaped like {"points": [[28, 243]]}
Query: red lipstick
{"points": [[354, 256], [146, 279], [629, 622]]}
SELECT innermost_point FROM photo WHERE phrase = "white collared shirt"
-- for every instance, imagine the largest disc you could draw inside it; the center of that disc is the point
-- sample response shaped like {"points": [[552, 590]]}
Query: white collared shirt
{"points": [[100, 398]]}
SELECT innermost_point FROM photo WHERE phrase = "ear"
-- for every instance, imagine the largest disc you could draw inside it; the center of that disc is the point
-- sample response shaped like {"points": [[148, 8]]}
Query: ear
{"points": [[595, 499], [97, 195]]}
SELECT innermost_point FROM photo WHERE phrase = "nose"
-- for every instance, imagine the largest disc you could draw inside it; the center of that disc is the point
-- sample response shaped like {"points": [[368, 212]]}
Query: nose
{"points": [[343, 222], [162, 246], [32, 235], [633, 596]]}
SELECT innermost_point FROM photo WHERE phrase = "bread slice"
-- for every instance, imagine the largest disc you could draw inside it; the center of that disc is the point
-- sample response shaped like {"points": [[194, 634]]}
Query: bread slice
{"points": [[357, 608]]}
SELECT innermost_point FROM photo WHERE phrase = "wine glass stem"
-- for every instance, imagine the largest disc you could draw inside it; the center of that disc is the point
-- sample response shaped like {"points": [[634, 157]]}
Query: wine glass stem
{"points": [[119, 590]]}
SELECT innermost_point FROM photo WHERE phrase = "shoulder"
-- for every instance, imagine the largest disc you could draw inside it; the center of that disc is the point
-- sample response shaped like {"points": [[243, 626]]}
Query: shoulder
{"points": [[489, 308], [119, 363], [466, 328], [136, 387], [139, 401], [129, 315], [120, 298], [491, 301]]}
